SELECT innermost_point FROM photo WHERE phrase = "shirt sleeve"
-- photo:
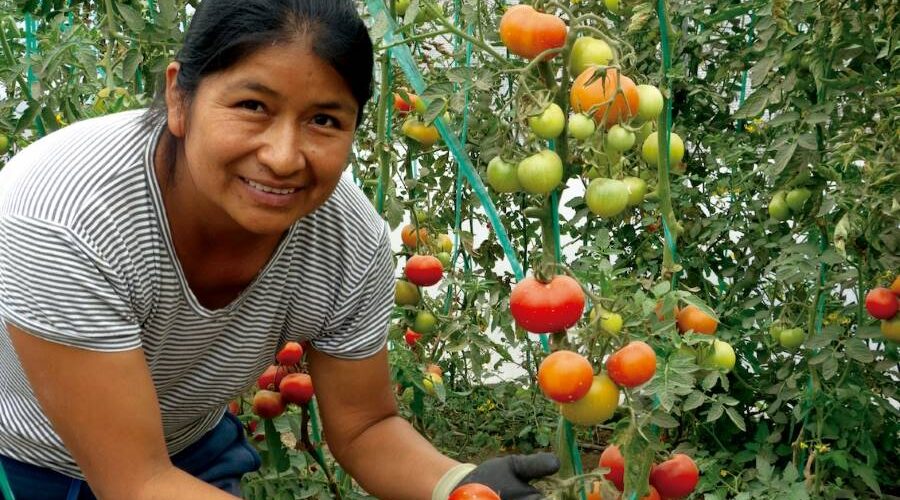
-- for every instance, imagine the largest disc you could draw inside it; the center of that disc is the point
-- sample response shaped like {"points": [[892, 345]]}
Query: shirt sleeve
{"points": [[363, 329], [55, 285]]}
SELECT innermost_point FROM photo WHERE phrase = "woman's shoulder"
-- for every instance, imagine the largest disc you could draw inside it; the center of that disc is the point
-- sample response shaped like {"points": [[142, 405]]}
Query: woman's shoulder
{"points": [[58, 176], [349, 214]]}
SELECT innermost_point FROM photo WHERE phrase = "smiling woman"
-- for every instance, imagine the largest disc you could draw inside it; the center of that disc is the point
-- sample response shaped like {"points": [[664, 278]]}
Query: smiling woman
{"points": [[159, 258]]}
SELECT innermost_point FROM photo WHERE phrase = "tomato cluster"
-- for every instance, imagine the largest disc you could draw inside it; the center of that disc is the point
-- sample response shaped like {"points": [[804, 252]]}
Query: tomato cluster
{"points": [[283, 383], [674, 478]]}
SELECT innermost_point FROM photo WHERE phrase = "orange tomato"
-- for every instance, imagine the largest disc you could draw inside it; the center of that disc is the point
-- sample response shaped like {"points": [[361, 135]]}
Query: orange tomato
{"points": [[895, 286], [692, 318], [565, 376], [632, 365], [601, 96], [527, 32], [408, 235]]}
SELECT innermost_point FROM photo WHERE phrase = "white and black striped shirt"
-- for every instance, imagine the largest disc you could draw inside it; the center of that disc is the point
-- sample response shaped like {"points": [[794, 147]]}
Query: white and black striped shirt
{"points": [[86, 260]]}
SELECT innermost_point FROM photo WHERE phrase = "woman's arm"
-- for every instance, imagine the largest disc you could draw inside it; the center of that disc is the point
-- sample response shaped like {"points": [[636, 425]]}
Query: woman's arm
{"points": [[378, 448], [104, 407]]}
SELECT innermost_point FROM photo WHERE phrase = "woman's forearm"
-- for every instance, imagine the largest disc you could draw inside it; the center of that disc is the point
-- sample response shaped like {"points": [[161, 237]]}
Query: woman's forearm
{"points": [[391, 460], [175, 484]]}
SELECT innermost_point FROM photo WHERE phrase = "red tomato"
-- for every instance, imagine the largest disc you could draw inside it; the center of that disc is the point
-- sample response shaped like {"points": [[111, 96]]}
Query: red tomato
{"points": [[403, 106], [565, 376], [527, 32], [881, 303], [632, 365], [411, 337], [290, 354], [424, 270], [473, 491], [676, 477], [547, 307], [612, 459], [271, 378], [296, 388], [267, 404]]}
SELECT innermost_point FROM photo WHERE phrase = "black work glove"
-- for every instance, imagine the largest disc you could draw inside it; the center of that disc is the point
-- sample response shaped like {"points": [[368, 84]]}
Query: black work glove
{"points": [[509, 476]]}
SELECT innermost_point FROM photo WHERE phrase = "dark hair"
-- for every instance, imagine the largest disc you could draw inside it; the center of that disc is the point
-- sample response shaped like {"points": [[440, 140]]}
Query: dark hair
{"points": [[223, 32]]}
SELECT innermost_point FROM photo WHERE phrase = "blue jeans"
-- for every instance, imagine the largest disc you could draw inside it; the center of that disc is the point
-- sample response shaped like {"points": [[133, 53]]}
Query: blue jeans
{"points": [[221, 457]]}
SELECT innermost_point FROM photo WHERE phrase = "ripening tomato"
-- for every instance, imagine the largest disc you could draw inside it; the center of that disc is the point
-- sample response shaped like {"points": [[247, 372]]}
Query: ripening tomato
{"points": [[565, 376], [296, 388], [402, 106], [597, 95], [473, 491], [411, 238], [405, 293], [676, 477], [890, 328], [597, 406], [547, 307], [895, 286], [425, 321], [434, 369], [881, 303], [267, 404], [632, 365], [290, 354], [720, 357], [527, 32], [444, 242], [612, 459], [426, 135], [692, 318], [424, 270]]}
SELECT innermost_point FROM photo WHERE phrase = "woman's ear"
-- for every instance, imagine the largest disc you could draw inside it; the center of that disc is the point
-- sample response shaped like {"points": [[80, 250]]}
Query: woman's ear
{"points": [[175, 112]]}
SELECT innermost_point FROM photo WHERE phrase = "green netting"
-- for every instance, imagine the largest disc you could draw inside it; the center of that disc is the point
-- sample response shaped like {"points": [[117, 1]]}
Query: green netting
{"points": [[5, 488]]}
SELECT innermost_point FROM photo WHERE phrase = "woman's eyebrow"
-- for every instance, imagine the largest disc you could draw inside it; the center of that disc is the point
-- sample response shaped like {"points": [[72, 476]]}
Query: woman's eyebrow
{"points": [[254, 86]]}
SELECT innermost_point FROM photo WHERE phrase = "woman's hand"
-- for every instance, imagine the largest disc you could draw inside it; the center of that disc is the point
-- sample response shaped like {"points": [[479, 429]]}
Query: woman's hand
{"points": [[510, 476]]}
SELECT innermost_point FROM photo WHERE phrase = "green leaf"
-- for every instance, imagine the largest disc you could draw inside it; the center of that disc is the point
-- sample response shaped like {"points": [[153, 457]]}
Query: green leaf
{"points": [[736, 418], [858, 350], [27, 119], [785, 153], [277, 453], [132, 17], [664, 420], [867, 475], [755, 104], [715, 412]]}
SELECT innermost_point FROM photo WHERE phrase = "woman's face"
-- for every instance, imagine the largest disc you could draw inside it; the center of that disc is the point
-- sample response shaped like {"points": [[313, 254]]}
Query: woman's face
{"points": [[265, 141]]}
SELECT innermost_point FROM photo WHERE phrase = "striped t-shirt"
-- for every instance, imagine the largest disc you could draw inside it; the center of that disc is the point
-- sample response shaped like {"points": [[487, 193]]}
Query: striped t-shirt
{"points": [[86, 260]]}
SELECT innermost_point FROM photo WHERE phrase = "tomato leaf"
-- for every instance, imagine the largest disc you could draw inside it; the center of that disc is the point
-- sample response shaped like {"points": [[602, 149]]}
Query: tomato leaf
{"points": [[277, 453]]}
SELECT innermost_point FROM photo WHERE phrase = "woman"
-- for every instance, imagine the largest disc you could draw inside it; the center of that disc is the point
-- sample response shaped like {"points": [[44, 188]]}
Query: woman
{"points": [[152, 263]]}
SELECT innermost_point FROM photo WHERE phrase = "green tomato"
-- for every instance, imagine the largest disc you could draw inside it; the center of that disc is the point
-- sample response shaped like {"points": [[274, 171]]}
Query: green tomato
{"points": [[650, 102], [650, 149], [580, 126], [587, 52], [424, 322], [775, 331], [791, 338], [400, 6], [611, 322], [796, 198], [540, 173], [445, 259], [637, 189], [619, 139], [4, 144], [721, 357], [502, 176], [613, 6], [606, 197], [778, 207], [550, 123]]}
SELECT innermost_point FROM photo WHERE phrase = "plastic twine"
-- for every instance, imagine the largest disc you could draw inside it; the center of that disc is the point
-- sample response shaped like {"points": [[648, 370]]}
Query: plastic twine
{"points": [[5, 488], [403, 57]]}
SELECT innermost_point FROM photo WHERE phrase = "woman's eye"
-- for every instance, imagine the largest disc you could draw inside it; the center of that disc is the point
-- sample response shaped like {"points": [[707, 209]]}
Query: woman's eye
{"points": [[252, 105], [325, 121]]}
